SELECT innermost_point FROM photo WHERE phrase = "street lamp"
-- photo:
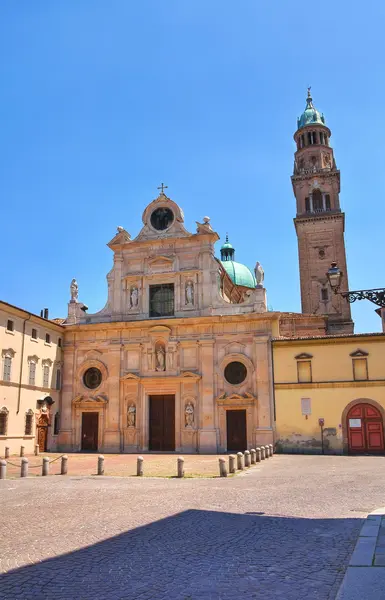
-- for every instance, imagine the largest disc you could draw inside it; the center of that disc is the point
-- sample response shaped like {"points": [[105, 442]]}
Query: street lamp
{"points": [[334, 275]]}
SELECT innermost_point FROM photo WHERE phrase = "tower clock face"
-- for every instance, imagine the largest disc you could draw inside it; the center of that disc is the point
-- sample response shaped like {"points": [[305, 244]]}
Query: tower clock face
{"points": [[162, 218]]}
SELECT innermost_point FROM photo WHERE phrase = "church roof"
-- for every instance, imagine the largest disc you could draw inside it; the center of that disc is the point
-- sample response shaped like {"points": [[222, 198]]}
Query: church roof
{"points": [[310, 116], [239, 274]]}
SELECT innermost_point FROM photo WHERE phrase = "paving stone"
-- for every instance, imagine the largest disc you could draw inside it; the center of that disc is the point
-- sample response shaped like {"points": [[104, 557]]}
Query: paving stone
{"points": [[286, 531]]}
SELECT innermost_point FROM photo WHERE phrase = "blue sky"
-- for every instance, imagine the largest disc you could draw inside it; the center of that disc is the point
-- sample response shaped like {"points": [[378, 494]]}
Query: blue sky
{"points": [[101, 101]]}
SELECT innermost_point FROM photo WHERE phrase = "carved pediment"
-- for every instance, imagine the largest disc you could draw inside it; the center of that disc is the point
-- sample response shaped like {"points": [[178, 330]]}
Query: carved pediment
{"points": [[132, 376], [160, 329], [235, 348], [303, 356], [161, 259], [190, 375], [122, 237], [359, 353], [83, 399]]}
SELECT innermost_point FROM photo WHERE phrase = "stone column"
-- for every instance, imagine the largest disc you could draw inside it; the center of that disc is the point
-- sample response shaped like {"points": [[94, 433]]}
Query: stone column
{"points": [[112, 423], [207, 433], [66, 437]]}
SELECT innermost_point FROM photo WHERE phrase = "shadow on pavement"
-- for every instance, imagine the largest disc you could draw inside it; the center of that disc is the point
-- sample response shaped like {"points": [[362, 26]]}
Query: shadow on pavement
{"points": [[198, 555]]}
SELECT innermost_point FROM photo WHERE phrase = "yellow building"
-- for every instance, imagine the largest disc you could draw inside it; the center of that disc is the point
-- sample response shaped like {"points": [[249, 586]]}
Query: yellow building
{"points": [[30, 380], [330, 393]]}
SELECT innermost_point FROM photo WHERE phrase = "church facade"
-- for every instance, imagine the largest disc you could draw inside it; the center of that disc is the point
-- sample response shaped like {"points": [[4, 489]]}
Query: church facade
{"points": [[179, 359]]}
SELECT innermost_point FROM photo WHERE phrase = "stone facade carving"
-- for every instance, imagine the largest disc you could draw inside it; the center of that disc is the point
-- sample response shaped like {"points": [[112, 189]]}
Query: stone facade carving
{"points": [[160, 358], [134, 297], [189, 293], [189, 415], [74, 289], [259, 274], [131, 416]]}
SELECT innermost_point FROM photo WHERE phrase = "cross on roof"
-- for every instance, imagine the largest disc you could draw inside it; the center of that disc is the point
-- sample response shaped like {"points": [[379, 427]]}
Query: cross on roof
{"points": [[162, 187]]}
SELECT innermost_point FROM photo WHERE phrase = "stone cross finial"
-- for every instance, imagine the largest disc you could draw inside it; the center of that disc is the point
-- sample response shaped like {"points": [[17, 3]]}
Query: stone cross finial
{"points": [[162, 187]]}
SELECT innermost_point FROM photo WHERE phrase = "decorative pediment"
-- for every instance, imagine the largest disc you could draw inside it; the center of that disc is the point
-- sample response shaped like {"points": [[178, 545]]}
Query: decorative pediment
{"points": [[235, 348], [162, 259], [238, 400], [190, 375], [122, 237], [82, 399], [303, 356], [359, 353], [160, 329], [130, 376]]}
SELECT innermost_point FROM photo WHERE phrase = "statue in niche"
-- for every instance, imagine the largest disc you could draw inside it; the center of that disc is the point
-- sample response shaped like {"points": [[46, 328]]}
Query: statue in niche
{"points": [[131, 416], [74, 289], [160, 356], [259, 274], [189, 293], [189, 415], [134, 297]]}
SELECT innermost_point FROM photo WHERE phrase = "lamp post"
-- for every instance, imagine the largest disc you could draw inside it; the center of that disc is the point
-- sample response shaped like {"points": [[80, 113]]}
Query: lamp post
{"points": [[335, 275]]}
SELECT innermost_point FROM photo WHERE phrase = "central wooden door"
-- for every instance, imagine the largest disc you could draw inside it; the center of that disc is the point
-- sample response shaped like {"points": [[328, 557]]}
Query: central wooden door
{"points": [[162, 423], [90, 423], [365, 430], [236, 430]]}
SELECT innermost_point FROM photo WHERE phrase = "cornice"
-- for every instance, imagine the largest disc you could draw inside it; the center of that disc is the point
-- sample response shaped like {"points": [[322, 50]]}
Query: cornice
{"points": [[330, 384]]}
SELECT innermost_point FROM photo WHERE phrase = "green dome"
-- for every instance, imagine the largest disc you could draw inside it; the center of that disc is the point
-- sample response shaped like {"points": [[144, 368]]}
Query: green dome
{"points": [[310, 116], [226, 245], [239, 274]]}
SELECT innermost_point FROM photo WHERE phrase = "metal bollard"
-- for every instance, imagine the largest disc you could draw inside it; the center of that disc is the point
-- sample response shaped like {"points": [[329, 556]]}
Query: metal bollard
{"points": [[253, 456], [22, 448], [139, 466], [240, 461], [101, 465], [232, 463], [271, 450], [259, 454], [180, 463], [64, 465], [45, 466], [3, 469], [24, 467], [247, 458], [6, 452], [222, 467], [263, 452], [36, 449]]}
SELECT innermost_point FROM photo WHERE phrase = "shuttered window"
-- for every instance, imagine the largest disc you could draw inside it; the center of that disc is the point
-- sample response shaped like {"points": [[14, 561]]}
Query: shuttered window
{"points": [[304, 371], [7, 368], [32, 373], [28, 424], [3, 422], [46, 376], [360, 369]]}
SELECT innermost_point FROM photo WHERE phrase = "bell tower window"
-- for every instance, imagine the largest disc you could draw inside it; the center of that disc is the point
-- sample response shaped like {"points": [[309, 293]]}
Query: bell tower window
{"points": [[317, 201]]}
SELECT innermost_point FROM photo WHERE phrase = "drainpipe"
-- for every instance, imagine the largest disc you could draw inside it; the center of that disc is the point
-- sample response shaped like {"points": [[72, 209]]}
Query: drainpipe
{"points": [[21, 365]]}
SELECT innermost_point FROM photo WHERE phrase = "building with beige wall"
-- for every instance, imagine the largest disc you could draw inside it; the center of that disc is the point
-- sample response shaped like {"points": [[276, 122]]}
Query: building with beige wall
{"points": [[179, 358], [338, 379], [30, 380]]}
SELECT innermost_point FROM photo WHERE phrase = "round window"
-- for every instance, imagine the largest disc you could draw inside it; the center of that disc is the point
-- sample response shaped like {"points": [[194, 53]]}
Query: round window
{"points": [[162, 218], [235, 372], [92, 378]]}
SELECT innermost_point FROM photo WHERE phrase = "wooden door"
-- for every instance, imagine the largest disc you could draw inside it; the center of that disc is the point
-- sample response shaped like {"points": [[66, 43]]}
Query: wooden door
{"points": [[365, 430], [236, 430], [90, 423], [162, 423]]}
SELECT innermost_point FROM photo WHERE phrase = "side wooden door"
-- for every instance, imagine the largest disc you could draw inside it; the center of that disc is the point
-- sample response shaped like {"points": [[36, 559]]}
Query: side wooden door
{"points": [[236, 430], [90, 423]]}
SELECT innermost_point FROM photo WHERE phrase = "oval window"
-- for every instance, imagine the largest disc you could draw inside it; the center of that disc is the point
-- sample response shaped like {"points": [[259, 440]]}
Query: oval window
{"points": [[92, 378], [235, 372]]}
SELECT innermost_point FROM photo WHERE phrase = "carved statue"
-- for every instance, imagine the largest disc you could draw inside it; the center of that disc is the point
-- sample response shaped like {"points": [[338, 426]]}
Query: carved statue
{"points": [[74, 288], [134, 297], [160, 359], [259, 274], [204, 227], [131, 416], [189, 292], [189, 415]]}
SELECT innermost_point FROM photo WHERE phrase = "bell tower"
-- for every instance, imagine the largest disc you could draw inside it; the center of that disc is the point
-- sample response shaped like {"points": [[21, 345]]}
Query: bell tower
{"points": [[319, 222]]}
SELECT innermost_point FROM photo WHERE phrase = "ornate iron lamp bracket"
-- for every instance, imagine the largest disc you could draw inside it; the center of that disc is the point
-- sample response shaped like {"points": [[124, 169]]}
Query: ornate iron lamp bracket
{"points": [[377, 296]]}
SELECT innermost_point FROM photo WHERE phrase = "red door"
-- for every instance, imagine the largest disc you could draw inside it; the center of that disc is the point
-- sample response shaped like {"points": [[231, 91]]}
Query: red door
{"points": [[365, 430]]}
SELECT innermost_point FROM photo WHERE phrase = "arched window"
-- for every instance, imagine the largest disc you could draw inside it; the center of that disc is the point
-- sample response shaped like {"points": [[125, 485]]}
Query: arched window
{"points": [[317, 201], [28, 422], [327, 202], [3, 420]]}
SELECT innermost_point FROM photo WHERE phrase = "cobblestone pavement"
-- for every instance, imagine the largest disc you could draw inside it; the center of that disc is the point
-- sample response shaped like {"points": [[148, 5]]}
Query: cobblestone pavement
{"points": [[284, 529]]}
